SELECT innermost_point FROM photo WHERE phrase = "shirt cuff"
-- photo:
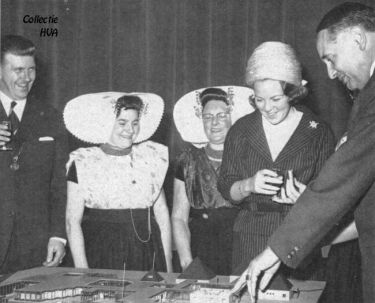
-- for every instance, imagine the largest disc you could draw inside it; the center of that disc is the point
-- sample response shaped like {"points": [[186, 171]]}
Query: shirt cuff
{"points": [[59, 239]]}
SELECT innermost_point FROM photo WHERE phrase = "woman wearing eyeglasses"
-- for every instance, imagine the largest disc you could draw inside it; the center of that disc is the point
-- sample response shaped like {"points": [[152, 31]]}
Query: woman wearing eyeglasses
{"points": [[202, 219], [280, 143]]}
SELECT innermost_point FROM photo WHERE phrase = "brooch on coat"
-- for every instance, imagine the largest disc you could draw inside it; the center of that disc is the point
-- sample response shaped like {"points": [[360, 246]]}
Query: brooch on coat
{"points": [[313, 124]]}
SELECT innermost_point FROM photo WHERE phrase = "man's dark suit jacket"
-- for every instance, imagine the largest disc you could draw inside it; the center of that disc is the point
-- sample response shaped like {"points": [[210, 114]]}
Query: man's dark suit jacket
{"points": [[33, 198], [345, 181]]}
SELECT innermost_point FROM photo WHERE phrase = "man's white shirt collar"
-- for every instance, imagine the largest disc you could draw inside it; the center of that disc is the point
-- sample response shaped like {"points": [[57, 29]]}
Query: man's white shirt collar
{"points": [[372, 68], [18, 109]]}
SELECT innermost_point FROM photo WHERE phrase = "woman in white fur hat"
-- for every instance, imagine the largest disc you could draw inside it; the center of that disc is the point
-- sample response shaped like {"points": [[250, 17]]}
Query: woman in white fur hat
{"points": [[272, 153], [202, 219], [116, 211]]}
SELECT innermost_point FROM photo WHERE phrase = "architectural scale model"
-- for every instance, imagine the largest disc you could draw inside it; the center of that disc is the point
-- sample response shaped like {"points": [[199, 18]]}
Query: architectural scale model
{"points": [[70, 285], [74, 285]]}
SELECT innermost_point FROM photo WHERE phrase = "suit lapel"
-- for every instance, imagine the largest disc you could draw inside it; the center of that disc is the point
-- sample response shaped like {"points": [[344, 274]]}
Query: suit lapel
{"points": [[362, 104], [300, 137], [258, 137], [3, 114], [28, 122], [304, 133]]}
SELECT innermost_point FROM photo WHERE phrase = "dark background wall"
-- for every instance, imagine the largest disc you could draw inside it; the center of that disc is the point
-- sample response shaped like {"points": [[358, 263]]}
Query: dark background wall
{"points": [[169, 47]]}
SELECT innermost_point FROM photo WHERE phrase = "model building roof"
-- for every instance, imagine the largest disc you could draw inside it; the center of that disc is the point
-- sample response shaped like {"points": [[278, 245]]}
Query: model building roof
{"points": [[279, 282], [197, 270], [58, 282], [152, 275]]}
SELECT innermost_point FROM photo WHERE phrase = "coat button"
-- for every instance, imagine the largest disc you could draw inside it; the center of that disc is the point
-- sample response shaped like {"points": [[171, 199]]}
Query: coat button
{"points": [[296, 248], [289, 256], [205, 216]]}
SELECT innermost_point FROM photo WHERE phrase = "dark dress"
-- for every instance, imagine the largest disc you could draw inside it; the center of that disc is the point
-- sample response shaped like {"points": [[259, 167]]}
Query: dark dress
{"points": [[120, 237], [211, 217]]}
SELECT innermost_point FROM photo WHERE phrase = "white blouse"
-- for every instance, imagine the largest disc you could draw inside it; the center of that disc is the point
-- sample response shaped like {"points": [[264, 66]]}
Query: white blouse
{"points": [[278, 135], [121, 182]]}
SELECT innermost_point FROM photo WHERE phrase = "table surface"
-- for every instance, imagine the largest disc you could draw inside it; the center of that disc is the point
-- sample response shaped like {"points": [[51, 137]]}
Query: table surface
{"points": [[305, 291]]}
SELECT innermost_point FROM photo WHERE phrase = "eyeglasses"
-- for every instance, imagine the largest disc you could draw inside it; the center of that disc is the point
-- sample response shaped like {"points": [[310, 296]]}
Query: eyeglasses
{"points": [[222, 116]]}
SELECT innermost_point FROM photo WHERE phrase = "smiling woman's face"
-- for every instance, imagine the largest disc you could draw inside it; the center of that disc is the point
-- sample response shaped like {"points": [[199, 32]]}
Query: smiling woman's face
{"points": [[216, 121], [271, 101], [126, 129]]}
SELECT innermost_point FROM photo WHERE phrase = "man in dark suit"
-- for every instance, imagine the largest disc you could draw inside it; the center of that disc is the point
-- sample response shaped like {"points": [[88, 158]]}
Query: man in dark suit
{"points": [[32, 174], [346, 44]]}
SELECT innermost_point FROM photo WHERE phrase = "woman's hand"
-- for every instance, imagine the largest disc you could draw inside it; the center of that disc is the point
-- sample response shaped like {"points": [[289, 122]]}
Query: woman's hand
{"points": [[180, 225], [161, 213], [185, 262], [265, 182], [292, 190], [73, 218]]}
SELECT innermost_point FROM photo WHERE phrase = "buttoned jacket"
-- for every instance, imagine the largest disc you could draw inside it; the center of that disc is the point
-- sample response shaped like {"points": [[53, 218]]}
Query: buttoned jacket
{"points": [[345, 181], [33, 198], [246, 152]]}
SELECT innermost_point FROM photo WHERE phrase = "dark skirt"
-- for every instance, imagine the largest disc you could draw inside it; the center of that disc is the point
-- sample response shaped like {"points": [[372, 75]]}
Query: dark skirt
{"points": [[114, 237], [211, 237], [252, 230]]}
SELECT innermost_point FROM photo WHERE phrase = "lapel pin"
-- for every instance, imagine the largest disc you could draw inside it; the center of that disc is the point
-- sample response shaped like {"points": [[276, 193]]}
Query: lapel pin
{"points": [[313, 124]]}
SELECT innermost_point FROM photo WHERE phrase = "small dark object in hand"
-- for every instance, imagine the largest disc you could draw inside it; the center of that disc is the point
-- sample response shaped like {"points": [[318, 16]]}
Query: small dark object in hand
{"points": [[284, 174]]}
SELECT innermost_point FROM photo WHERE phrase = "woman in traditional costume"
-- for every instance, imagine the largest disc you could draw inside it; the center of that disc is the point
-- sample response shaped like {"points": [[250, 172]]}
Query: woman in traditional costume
{"points": [[202, 219], [116, 212]]}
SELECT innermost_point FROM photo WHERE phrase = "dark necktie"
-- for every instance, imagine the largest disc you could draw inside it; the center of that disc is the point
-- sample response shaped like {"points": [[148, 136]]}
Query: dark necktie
{"points": [[13, 117]]}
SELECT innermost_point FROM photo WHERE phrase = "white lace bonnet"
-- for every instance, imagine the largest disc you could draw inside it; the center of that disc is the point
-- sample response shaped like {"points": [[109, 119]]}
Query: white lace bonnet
{"points": [[187, 112], [91, 117]]}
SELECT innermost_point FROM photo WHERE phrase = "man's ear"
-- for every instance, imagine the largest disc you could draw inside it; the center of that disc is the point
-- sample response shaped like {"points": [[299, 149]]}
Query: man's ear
{"points": [[360, 37]]}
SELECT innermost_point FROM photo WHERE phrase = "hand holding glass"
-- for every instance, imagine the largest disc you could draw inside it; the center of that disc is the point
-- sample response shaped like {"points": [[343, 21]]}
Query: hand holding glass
{"points": [[5, 135]]}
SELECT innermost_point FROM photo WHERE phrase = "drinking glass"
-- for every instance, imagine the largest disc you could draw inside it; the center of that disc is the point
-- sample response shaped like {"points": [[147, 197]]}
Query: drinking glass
{"points": [[7, 145]]}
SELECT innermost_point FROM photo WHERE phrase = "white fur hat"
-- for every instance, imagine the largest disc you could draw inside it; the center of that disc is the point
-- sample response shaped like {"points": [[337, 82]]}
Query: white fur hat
{"points": [[274, 60]]}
